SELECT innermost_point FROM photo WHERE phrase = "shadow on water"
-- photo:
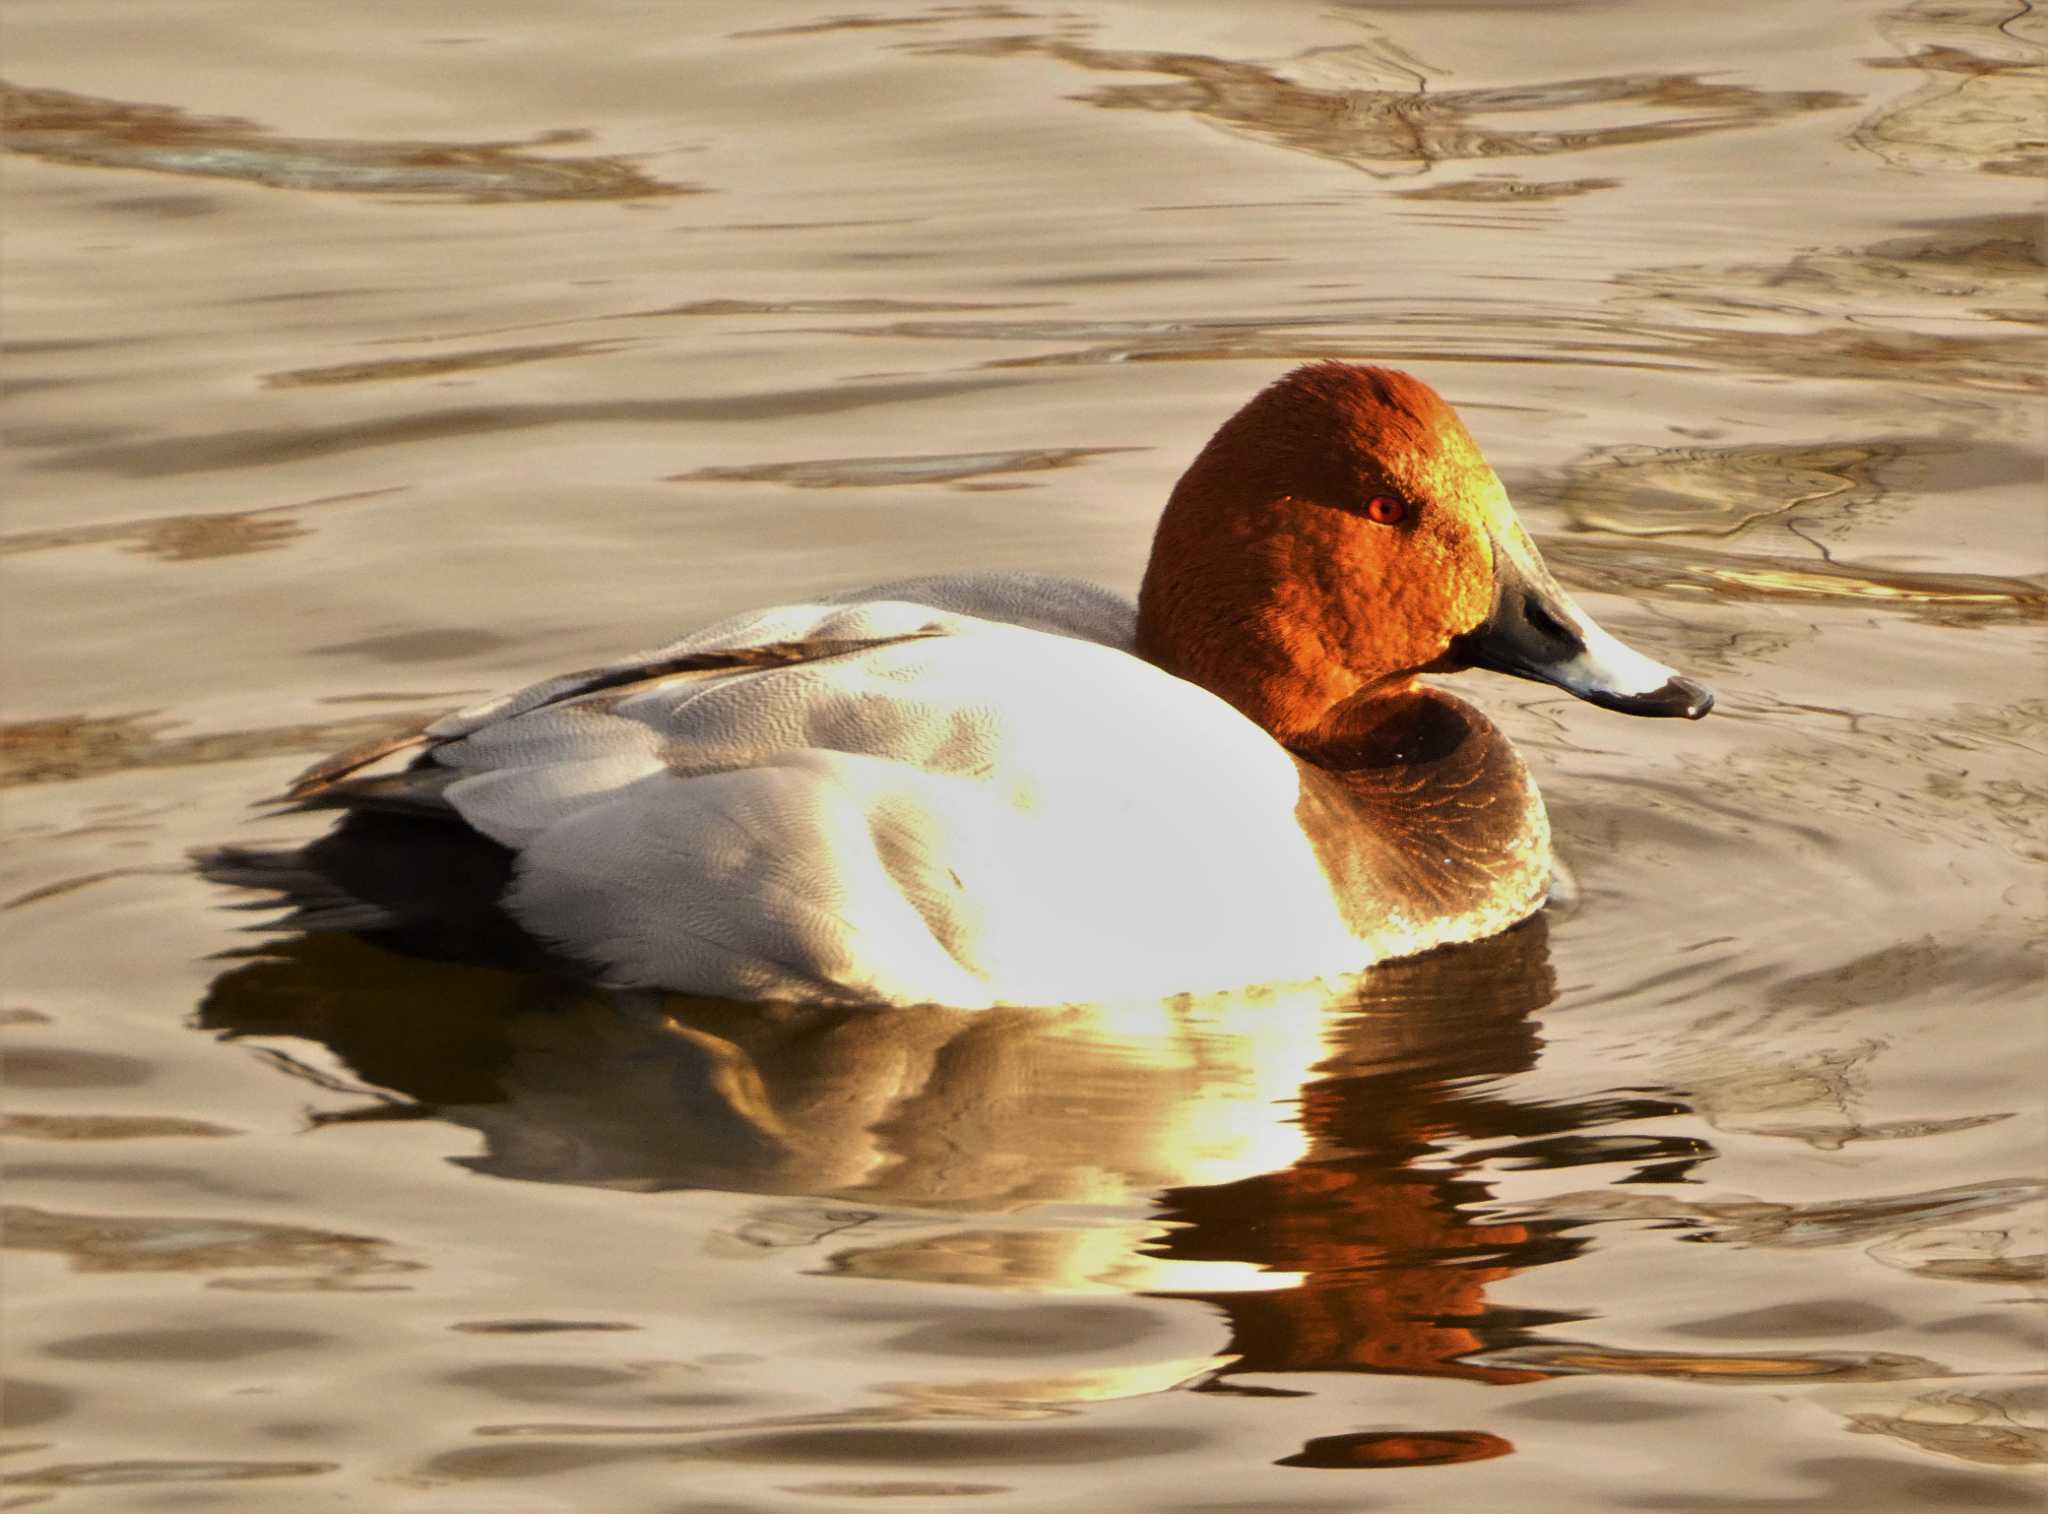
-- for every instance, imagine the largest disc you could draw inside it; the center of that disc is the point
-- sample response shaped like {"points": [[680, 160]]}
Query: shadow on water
{"points": [[1309, 1171]]}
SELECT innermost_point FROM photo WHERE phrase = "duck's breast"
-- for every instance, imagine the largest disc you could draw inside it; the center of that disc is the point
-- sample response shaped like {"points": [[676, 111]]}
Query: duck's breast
{"points": [[1429, 828]]}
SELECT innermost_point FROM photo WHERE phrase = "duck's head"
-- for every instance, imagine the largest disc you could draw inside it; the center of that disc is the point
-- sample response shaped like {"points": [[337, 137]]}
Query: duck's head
{"points": [[1341, 534]]}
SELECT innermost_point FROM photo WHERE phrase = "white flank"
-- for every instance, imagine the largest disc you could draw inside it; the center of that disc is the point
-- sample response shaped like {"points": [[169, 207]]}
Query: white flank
{"points": [[1014, 810]]}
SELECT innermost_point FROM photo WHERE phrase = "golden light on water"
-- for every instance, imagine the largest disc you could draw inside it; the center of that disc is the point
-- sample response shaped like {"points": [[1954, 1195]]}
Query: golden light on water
{"points": [[1843, 586]]}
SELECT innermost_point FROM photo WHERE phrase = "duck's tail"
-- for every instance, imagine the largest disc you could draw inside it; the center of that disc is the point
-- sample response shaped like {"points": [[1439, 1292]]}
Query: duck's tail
{"points": [[427, 887], [313, 901]]}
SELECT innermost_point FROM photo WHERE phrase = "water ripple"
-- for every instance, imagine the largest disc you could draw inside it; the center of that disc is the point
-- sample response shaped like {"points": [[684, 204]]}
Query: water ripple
{"points": [[60, 127]]}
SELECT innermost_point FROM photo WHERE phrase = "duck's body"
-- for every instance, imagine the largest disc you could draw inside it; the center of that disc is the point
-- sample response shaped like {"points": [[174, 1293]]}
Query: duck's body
{"points": [[989, 789]]}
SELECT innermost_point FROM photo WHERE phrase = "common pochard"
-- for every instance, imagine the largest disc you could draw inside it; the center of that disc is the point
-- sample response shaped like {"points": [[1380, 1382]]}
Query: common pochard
{"points": [[1016, 789]]}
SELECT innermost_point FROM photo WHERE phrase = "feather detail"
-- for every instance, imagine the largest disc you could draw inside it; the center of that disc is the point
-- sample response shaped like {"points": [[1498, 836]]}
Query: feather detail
{"points": [[321, 786], [328, 771], [415, 791]]}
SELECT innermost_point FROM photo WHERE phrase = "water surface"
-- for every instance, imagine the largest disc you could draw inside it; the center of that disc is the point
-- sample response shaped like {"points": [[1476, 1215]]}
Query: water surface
{"points": [[363, 362]]}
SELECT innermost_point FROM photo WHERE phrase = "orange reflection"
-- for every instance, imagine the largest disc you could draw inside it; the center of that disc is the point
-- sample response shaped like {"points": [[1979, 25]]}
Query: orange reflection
{"points": [[1397, 1448], [1394, 1262], [1308, 1171]]}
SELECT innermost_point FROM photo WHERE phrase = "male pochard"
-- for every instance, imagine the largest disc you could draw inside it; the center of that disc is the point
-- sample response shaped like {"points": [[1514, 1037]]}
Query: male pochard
{"points": [[1016, 789]]}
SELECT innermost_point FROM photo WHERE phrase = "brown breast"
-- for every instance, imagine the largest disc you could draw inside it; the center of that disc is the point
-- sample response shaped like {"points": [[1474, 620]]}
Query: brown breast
{"points": [[1426, 822]]}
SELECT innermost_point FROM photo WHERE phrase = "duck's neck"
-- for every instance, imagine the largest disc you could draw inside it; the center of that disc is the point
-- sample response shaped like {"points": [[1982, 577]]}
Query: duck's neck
{"points": [[1230, 616]]}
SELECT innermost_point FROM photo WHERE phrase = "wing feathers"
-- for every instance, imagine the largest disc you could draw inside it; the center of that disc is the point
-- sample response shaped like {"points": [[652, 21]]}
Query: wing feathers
{"points": [[416, 791], [332, 782], [654, 668], [323, 774]]}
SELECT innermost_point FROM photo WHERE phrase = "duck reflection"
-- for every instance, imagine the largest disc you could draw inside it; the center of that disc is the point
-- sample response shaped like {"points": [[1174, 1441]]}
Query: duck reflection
{"points": [[1314, 1172], [1380, 1218]]}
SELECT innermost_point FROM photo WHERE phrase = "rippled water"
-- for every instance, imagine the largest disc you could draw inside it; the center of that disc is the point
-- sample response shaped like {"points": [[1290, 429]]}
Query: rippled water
{"points": [[361, 360]]}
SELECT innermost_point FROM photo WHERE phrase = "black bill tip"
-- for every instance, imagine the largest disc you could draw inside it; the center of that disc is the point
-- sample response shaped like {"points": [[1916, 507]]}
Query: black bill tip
{"points": [[1678, 696]]}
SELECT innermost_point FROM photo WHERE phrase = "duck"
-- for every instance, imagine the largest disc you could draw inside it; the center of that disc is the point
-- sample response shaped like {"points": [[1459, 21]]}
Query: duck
{"points": [[1015, 789]]}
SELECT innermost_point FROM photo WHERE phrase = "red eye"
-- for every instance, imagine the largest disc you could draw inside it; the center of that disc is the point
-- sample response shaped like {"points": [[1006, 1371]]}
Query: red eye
{"points": [[1386, 510]]}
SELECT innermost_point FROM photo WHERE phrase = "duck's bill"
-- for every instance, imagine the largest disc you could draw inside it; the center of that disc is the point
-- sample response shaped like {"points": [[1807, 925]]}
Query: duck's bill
{"points": [[1535, 631]]}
